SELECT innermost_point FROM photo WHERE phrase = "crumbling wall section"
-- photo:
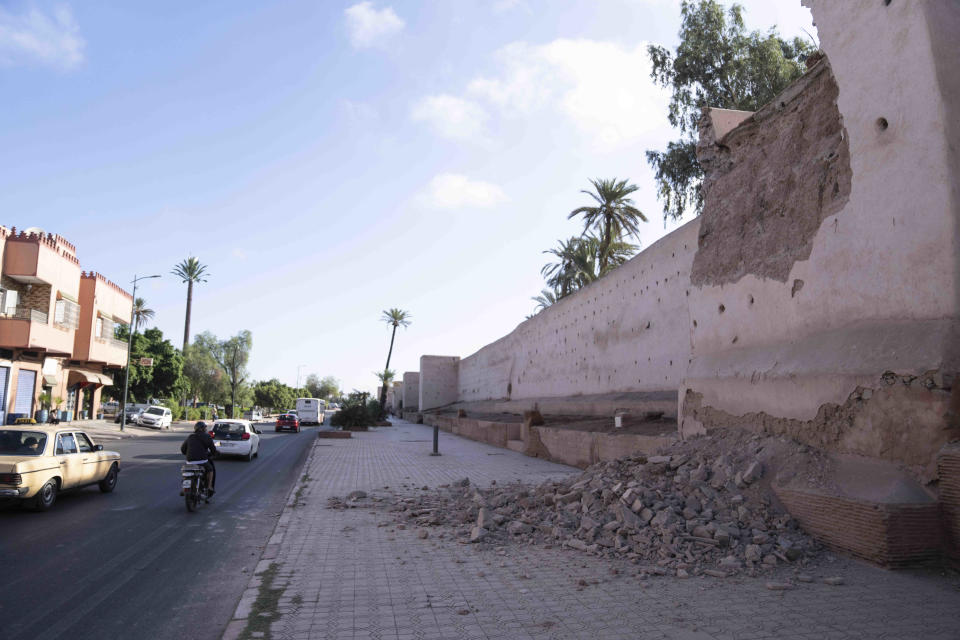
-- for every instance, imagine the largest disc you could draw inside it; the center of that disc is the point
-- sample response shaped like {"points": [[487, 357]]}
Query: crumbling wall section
{"points": [[834, 270]]}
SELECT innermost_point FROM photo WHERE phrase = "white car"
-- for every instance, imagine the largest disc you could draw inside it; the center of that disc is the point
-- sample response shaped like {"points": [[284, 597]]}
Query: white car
{"points": [[236, 438], [156, 417]]}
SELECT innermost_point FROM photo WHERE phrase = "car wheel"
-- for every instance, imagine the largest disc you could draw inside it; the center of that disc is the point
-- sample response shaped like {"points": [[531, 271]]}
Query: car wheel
{"points": [[109, 482], [249, 456], [45, 497]]}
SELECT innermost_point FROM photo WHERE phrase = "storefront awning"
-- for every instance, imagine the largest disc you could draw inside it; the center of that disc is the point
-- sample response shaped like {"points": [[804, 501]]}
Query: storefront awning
{"points": [[66, 296], [83, 376], [49, 380], [105, 380]]}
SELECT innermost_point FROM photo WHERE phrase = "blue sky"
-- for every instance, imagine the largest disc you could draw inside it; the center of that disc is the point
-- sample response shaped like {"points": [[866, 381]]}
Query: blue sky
{"points": [[328, 160]]}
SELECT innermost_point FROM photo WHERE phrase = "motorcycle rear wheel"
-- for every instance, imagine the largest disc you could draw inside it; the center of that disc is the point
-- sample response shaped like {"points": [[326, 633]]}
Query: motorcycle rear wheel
{"points": [[191, 499]]}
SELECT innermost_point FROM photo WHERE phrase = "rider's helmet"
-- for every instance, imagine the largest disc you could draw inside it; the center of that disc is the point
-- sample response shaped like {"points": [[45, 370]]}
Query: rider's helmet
{"points": [[200, 427]]}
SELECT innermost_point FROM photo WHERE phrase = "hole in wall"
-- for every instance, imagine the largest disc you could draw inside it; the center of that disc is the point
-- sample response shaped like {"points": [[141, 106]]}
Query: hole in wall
{"points": [[750, 299], [882, 124], [721, 309], [886, 3]]}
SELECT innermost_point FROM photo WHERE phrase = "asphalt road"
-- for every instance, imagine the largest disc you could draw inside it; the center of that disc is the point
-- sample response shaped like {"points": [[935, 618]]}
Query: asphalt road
{"points": [[134, 563]]}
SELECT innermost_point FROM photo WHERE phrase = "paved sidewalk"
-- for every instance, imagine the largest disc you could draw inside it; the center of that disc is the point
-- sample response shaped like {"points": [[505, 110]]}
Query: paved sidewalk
{"points": [[332, 574]]}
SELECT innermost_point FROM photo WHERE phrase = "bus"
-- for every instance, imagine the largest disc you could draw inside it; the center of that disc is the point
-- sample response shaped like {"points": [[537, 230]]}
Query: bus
{"points": [[311, 410]]}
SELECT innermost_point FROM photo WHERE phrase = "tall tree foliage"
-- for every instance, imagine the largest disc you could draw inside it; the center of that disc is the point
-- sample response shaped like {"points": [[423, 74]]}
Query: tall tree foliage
{"points": [[324, 388], [189, 271], [141, 313], [164, 379], [718, 63], [394, 318], [205, 379], [232, 356], [611, 218], [577, 265], [274, 394]]}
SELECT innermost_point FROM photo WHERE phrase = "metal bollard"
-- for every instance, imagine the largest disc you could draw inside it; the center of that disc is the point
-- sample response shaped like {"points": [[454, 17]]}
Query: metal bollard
{"points": [[436, 441]]}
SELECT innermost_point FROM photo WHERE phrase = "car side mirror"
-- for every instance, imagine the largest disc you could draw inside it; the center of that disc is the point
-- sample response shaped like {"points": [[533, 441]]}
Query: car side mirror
{"points": [[98, 447]]}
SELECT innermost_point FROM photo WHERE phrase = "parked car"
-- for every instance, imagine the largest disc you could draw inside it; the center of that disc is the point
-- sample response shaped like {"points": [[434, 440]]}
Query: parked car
{"points": [[287, 421], [156, 417], [37, 463], [254, 415], [236, 438], [133, 412], [110, 407]]}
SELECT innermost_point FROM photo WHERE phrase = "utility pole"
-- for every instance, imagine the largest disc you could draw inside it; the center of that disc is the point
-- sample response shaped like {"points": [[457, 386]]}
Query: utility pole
{"points": [[126, 378]]}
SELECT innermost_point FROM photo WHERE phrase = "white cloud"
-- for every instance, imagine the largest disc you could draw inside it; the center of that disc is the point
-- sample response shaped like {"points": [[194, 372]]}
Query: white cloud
{"points": [[455, 191], [452, 117], [34, 36], [369, 27], [603, 89]]}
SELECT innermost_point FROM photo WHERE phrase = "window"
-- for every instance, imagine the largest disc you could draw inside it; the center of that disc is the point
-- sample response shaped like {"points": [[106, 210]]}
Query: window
{"points": [[66, 444], [8, 301], [84, 443], [98, 333], [155, 411], [22, 443]]}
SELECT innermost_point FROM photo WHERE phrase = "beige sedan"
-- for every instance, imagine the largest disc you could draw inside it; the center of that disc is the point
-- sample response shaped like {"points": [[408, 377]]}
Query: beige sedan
{"points": [[37, 462]]}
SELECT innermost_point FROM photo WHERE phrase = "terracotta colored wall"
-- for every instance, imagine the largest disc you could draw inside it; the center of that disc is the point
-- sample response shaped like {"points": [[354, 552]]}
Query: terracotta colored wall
{"points": [[411, 391]]}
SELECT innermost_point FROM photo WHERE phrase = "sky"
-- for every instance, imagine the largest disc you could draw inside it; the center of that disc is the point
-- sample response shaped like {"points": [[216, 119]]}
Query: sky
{"points": [[329, 160]]}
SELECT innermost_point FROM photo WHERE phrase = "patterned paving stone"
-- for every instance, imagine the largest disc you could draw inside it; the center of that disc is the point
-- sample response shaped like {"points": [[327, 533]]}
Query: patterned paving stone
{"points": [[344, 577]]}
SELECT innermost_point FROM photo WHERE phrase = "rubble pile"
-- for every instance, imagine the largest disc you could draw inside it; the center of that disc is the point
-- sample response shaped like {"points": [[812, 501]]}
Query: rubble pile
{"points": [[703, 506]]}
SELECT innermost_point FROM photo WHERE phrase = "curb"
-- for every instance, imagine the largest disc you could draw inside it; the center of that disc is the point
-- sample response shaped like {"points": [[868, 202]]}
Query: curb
{"points": [[239, 620]]}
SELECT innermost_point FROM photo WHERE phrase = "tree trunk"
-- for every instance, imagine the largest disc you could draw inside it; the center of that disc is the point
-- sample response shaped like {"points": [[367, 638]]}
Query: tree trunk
{"points": [[383, 389], [186, 322]]}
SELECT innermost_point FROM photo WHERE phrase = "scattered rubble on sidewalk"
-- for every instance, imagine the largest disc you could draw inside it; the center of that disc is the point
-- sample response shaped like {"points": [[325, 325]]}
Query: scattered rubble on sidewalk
{"points": [[703, 506]]}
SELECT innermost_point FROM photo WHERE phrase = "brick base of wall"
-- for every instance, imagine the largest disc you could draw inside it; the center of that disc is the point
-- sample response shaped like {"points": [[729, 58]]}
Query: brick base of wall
{"points": [[948, 470], [891, 535]]}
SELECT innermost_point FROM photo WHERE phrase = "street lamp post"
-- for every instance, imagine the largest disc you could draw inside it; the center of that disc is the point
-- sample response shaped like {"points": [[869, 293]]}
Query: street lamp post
{"points": [[299, 367], [126, 378]]}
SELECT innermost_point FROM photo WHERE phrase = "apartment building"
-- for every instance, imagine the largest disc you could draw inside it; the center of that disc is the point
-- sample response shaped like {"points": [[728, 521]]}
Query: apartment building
{"points": [[57, 327]]}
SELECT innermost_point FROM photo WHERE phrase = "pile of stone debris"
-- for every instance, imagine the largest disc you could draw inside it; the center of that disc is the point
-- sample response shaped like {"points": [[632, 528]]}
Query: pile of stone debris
{"points": [[703, 506]]}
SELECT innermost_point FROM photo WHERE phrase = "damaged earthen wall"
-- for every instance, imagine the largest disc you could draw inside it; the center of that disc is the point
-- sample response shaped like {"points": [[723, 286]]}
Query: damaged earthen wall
{"points": [[838, 327], [817, 296]]}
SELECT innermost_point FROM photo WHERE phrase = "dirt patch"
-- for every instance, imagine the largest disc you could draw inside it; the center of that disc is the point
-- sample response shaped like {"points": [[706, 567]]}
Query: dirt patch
{"points": [[770, 182]]}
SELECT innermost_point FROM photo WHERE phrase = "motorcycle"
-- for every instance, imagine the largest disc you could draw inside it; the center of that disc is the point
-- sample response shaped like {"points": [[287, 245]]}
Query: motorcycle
{"points": [[194, 485]]}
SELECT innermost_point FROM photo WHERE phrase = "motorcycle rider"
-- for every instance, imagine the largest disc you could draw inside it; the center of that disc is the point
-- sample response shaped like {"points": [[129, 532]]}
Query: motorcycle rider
{"points": [[199, 449]]}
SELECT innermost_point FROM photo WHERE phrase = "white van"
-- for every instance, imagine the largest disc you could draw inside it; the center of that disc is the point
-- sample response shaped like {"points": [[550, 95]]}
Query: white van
{"points": [[311, 410]]}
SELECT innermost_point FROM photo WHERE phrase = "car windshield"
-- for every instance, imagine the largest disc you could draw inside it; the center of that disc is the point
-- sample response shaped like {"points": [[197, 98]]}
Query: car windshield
{"points": [[154, 411], [222, 428], [22, 443]]}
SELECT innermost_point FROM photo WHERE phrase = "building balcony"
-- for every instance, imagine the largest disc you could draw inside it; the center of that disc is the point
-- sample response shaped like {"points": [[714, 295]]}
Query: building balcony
{"points": [[110, 351], [33, 258], [31, 330]]}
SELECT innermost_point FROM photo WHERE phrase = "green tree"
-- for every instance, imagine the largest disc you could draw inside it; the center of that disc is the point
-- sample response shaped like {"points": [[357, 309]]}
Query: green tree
{"points": [[324, 388], [395, 318], [718, 63], [274, 395], [232, 355], [547, 298], [141, 313], [578, 260], [205, 379], [613, 216], [189, 271], [164, 379]]}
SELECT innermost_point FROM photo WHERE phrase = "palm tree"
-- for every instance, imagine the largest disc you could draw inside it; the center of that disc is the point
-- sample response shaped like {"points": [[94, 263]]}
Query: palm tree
{"points": [[141, 313], [395, 318], [546, 299], [613, 216], [189, 271]]}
